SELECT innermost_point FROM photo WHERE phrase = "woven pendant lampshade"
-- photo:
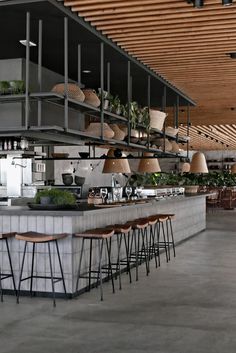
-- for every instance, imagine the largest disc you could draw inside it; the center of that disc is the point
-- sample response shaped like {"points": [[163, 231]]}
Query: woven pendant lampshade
{"points": [[233, 169], [116, 165], [149, 165], [185, 168], [198, 164]]}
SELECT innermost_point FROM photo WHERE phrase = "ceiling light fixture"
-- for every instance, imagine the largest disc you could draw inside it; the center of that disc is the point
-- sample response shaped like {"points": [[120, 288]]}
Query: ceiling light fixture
{"points": [[200, 3], [232, 55], [227, 2], [24, 42], [86, 71], [196, 3]]}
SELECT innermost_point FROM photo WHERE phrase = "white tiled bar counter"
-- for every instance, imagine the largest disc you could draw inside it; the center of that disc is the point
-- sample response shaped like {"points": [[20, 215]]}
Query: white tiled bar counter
{"points": [[190, 219]]}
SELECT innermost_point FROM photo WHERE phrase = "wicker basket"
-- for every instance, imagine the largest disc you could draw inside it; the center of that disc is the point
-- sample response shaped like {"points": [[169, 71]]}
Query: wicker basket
{"points": [[74, 91], [91, 98], [94, 129], [118, 133], [157, 119]]}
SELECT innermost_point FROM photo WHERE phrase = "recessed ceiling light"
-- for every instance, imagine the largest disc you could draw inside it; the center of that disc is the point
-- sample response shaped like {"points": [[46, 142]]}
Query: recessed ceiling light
{"points": [[24, 42], [86, 71], [232, 55], [227, 2]]}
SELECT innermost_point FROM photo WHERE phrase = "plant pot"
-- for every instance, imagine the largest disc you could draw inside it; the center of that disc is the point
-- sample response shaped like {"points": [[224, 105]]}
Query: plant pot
{"points": [[94, 129], [67, 179], [191, 189], [105, 104], [73, 91], [79, 180], [157, 119], [118, 133], [91, 97]]}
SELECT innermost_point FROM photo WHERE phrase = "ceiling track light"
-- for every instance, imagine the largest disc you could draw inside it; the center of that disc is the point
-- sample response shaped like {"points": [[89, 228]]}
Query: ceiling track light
{"points": [[227, 2], [196, 3], [200, 3]]}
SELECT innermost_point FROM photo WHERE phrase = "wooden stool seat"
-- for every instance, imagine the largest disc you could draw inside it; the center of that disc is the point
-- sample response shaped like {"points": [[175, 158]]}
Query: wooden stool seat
{"points": [[139, 223], [152, 220], [162, 218], [35, 237], [99, 233], [7, 235], [120, 228], [169, 215]]}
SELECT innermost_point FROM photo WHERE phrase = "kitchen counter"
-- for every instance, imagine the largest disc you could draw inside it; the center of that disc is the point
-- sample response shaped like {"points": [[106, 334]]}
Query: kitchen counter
{"points": [[190, 214]]}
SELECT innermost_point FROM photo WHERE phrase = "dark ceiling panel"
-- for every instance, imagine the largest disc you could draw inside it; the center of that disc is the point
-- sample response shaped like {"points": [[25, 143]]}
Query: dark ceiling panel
{"points": [[12, 22]]}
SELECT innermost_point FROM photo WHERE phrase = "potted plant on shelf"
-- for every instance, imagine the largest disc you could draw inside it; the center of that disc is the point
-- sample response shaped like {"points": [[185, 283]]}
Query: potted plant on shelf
{"points": [[107, 99], [116, 105], [4, 87]]}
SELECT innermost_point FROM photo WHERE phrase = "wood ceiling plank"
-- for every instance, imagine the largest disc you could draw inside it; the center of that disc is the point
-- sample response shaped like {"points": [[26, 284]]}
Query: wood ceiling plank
{"points": [[185, 45], [184, 22]]}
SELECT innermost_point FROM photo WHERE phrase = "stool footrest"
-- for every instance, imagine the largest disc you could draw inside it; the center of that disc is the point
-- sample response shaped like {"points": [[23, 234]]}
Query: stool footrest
{"points": [[55, 279], [4, 276]]}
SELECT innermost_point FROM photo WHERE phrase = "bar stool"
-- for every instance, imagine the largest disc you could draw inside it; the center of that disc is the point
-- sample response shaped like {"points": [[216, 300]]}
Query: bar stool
{"points": [[35, 238], [140, 254], [170, 233], [5, 237], [154, 249], [122, 232], [100, 235]]}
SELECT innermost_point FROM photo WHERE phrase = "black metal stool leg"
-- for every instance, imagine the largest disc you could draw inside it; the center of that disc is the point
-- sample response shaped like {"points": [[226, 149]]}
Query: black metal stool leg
{"points": [[136, 253], [168, 239], [80, 262], [164, 240], [21, 272], [62, 273], [127, 257], [90, 262], [1, 294], [52, 280], [145, 251], [10, 262], [172, 236], [119, 239], [152, 243], [108, 246], [32, 270], [100, 266]]}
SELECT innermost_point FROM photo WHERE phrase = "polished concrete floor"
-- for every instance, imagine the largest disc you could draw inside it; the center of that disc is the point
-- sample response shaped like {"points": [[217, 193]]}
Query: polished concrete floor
{"points": [[186, 306]]}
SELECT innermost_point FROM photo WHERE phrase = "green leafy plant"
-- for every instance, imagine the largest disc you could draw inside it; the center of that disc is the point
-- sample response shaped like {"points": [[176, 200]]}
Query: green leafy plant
{"points": [[17, 86], [116, 105], [145, 117], [57, 197], [4, 87]]}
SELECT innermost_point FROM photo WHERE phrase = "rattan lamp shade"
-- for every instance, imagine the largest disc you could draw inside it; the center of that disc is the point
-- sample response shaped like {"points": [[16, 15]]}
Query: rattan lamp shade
{"points": [[233, 169], [198, 164], [116, 165], [185, 168], [149, 165]]}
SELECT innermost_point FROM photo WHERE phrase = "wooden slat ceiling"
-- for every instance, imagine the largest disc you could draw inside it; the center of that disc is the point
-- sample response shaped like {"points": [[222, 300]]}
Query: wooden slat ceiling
{"points": [[186, 45]]}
